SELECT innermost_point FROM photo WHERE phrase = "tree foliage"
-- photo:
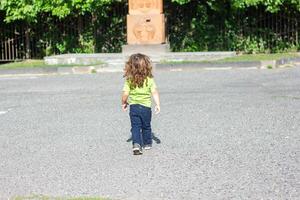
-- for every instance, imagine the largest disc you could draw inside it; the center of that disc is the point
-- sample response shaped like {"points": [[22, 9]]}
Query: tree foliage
{"points": [[29, 10], [193, 25], [271, 5]]}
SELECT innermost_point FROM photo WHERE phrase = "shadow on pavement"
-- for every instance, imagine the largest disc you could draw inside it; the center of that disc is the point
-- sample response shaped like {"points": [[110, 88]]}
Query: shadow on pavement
{"points": [[156, 139]]}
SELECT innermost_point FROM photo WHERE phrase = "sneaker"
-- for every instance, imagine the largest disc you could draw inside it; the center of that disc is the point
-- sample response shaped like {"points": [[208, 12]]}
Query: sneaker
{"points": [[137, 150], [147, 146]]}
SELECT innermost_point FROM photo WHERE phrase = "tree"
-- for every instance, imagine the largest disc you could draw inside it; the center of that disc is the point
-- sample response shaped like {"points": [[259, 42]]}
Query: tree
{"points": [[29, 10], [271, 5]]}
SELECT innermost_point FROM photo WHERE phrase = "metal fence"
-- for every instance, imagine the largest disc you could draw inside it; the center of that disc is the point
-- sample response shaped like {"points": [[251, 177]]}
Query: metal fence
{"points": [[21, 41], [12, 43], [283, 26]]}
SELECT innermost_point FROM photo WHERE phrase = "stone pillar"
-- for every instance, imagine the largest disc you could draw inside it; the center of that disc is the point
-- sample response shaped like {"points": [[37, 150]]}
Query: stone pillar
{"points": [[145, 27]]}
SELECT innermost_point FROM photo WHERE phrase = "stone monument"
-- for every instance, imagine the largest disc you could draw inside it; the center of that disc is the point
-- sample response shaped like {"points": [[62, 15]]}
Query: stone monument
{"points": [[146, 28]]}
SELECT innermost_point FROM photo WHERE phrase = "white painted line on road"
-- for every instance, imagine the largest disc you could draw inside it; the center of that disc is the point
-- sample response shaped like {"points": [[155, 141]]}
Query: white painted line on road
{"points": [[109, 70], [3, 112], [176, 70], [17, 78], [217, 68], [247, 68], [23, 75]]}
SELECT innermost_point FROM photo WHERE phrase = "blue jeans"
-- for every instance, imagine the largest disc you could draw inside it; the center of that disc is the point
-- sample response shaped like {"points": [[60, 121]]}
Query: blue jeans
{"points": [[140, 117]]}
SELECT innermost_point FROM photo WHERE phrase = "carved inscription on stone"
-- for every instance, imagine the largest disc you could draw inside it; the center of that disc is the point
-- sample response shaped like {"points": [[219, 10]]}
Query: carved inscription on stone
{"points": [[145, 7]]}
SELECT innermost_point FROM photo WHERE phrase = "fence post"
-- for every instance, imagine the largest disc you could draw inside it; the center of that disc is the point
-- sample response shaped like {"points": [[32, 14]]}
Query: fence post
{"points": [[5, 50], [2, 50]]}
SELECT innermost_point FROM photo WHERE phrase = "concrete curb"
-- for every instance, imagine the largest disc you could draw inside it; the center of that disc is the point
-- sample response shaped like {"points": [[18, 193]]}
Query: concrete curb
{"points": [[229, 65], [287, 61], [51, 70], [205, 65], [157, 66], [91, 59]]}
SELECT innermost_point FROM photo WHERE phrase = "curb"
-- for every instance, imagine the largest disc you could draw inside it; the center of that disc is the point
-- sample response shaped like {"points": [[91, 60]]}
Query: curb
{"points": [[205, 65], [268, 64], [51, 71], [287, 61], [176, 67]]}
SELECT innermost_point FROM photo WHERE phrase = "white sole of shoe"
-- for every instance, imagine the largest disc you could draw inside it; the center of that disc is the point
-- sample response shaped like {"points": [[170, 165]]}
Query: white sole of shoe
{"points": [[137, 151]]}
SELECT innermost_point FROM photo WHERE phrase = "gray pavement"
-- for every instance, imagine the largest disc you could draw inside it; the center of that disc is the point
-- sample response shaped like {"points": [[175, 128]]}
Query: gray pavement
{"points": [[225, 134]]}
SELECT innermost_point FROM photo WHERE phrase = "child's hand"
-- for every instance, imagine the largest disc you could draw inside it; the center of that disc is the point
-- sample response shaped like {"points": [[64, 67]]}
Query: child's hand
{"points": [[157, 109], [124, 107]]}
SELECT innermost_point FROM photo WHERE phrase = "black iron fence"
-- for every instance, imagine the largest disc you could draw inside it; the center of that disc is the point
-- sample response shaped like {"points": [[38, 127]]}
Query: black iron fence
{"points": [[188, 29], [77, 34]]}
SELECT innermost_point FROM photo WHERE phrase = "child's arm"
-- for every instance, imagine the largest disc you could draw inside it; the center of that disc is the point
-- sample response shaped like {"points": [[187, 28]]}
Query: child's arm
{"points": [[155, 95], [125, 96]]}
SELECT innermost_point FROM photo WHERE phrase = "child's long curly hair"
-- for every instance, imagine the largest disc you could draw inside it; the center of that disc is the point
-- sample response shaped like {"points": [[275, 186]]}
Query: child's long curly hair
{"points": [[137, 69]]}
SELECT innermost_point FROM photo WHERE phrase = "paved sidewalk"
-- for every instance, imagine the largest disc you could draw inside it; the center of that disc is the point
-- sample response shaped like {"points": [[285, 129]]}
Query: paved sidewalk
{"points": [[229, 134]]}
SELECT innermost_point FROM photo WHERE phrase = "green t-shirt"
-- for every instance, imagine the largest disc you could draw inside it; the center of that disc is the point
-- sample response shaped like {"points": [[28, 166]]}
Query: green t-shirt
{"points": [[140, 95]]}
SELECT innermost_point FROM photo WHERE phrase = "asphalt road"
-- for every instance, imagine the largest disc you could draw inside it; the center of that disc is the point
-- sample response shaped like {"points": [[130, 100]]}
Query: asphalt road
{"points": [[226, 134]]}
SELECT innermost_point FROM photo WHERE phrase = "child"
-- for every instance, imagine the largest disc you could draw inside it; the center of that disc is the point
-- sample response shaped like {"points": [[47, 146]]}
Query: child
{"points": [[139, 86]]}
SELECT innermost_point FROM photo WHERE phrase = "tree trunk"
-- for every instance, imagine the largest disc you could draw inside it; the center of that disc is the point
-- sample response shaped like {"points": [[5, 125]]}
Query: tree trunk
{"points": [[297, 32], [27, 42], [95, 30], [80, 28]]}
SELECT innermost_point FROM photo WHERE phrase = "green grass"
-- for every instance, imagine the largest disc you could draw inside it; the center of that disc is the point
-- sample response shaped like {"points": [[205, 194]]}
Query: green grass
{"points": [[259, 57], [242, 58], [269, 67], [23, 64], [38, 64], [42, 197]]}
